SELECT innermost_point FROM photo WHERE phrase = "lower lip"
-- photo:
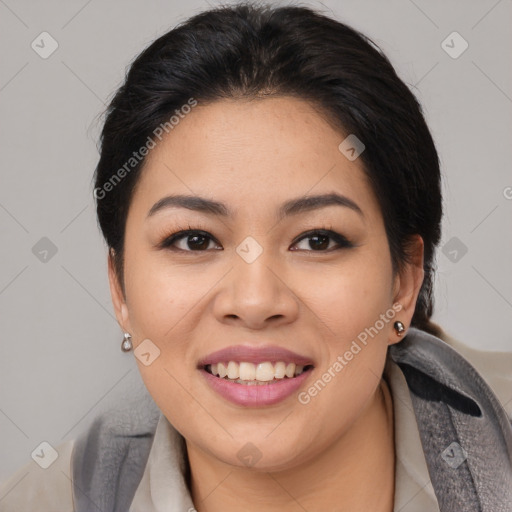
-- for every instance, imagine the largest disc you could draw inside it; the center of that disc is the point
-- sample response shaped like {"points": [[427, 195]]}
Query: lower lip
{"points": [[256, 395]]}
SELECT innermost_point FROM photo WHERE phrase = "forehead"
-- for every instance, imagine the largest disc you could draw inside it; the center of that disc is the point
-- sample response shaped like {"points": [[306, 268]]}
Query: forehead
{"points": [[241, 151]]}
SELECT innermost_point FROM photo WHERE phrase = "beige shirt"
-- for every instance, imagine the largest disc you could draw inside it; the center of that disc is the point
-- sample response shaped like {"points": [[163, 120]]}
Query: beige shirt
{"points": [[163, 489]]}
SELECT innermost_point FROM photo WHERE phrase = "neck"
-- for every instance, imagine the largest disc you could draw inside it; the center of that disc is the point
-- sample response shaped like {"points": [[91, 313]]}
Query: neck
{"points": [[357, 472]]}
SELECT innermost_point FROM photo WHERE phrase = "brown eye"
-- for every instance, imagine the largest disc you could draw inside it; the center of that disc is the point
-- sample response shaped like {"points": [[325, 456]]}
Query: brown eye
{"points": [[188, 241], [320, 241]]}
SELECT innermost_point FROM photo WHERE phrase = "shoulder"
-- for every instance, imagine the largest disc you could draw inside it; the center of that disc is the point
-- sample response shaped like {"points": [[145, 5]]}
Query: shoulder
{"points": [[32, 487], [109, 457], [104, 462], [479, 374], [462, 422], [495, 367]]}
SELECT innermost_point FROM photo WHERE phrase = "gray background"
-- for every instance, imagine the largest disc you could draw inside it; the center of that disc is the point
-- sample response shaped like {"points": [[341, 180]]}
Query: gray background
{"points": [[60, 361]]}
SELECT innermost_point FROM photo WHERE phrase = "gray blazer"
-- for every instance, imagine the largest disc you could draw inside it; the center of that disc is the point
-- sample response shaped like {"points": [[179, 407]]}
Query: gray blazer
{"points": [[465, 433]]}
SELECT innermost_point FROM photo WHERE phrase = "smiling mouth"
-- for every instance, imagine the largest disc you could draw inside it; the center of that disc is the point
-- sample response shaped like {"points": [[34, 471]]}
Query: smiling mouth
{"points": [[260, 374]]}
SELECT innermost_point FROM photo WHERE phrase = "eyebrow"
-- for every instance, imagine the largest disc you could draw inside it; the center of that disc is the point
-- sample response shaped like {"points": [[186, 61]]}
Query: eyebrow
{"points": [[291, 207]]}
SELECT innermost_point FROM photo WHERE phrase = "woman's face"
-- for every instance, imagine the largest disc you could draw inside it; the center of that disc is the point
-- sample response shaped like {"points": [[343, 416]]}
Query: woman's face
{"points": [[257, 276]]}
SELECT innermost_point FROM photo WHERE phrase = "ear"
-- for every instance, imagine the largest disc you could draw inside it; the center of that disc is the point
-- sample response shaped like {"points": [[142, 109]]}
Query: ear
{"points": [[407, 286], [116, 292]]}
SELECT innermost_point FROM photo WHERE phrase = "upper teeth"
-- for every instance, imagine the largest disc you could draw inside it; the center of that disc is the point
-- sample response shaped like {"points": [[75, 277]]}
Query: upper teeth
{"points": [[263, 372]]}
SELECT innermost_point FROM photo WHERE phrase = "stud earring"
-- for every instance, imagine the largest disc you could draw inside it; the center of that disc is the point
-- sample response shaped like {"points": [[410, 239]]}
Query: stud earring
{"points": [[399, 327], [126, 345]]}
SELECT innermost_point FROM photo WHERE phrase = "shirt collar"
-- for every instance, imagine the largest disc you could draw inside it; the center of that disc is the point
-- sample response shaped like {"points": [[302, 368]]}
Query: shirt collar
{"points": [[413, 489]]}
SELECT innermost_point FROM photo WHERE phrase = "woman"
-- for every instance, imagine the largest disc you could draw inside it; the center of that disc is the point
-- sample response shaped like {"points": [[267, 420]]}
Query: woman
{"points": [[270, 195]]}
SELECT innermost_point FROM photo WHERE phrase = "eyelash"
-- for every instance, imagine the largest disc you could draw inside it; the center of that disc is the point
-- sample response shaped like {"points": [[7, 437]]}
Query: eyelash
{"points": [[343, 242]]}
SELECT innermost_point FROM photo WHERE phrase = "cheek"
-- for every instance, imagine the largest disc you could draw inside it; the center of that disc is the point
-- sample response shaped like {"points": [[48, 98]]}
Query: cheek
{"points": [[348, 297], [160, 295], [355, 345], [355, 302], [163, 302]]}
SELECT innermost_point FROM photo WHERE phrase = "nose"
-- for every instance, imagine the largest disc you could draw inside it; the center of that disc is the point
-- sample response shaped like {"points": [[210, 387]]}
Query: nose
{"points": [[256, 295]]}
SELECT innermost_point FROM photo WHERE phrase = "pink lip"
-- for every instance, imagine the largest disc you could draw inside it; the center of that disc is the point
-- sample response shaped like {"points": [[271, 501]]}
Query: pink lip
{"points": [[255, 396], [239, 353]]}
